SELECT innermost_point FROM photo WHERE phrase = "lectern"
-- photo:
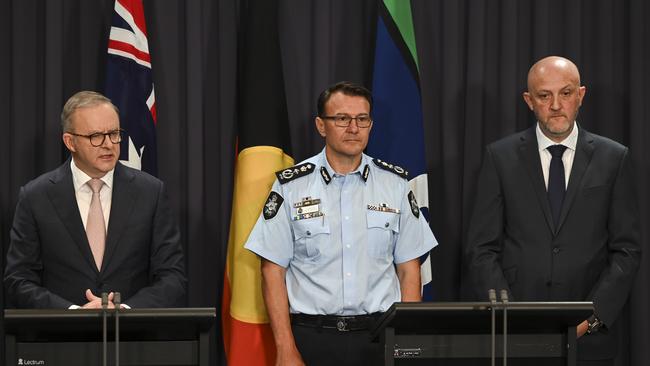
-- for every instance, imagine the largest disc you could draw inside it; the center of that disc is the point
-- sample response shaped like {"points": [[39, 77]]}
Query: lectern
{"points": [[538, 333], [161, 337]]}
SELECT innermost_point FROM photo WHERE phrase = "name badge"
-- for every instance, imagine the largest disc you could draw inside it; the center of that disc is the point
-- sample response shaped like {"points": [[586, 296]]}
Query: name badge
{"points": [[382, 207]]}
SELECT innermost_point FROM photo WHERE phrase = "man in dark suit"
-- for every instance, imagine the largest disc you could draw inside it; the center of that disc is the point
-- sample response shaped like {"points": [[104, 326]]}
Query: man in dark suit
{"points": [[555, 216], [93, 225]]}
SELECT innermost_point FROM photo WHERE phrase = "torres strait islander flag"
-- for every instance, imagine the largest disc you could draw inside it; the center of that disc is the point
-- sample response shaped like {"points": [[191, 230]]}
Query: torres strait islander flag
{"points": [[129, 85], [398, 134], [263, 146]]}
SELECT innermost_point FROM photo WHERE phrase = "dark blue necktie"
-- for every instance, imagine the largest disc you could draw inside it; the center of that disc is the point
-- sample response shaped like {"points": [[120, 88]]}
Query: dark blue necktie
{"points": [[556, 181]]}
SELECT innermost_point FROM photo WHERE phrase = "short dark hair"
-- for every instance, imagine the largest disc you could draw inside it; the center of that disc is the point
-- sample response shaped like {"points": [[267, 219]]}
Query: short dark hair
{"points": [[345, 87]]}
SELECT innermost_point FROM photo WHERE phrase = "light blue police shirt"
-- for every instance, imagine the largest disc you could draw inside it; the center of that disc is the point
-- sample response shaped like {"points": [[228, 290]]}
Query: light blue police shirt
{"points": [[339, 236]]}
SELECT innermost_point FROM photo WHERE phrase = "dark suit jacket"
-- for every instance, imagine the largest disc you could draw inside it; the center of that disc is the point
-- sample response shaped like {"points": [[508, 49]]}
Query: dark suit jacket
{"points": [[593, 254], [49, 262]]}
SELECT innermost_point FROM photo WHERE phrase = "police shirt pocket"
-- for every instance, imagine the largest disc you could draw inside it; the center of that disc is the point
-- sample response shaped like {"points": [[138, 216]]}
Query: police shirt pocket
{"points": [[309, 235], [382, 229]]}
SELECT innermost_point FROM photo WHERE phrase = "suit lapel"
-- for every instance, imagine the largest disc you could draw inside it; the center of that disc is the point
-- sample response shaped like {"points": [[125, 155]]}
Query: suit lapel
{"points": [[122, 204], [581, 160], [63, 198], [529, 154]]}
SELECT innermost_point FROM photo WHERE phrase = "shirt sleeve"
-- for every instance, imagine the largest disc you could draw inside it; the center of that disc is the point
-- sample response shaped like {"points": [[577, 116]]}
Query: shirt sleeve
{"points": [[271, 237], [415, 237]]}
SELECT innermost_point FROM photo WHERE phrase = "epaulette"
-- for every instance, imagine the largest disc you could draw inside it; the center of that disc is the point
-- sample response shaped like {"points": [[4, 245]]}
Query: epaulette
{"points": [[296, 171], [392, 168]]}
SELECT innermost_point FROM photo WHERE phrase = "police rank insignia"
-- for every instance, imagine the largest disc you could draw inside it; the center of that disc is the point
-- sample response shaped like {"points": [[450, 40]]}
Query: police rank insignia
{"points": [[272, 205], [307, 208], [297, 171], [415, 209], [366, 171], [326, 176], [391, 168]]}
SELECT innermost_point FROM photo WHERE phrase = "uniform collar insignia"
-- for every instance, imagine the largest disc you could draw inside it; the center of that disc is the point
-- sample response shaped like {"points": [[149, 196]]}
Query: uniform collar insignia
{"points": [[366, 171], [325, 174]]}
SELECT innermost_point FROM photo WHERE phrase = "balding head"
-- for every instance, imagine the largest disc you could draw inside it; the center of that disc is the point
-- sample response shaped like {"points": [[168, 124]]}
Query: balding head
{"points": [[554, 95], [552, 65]]}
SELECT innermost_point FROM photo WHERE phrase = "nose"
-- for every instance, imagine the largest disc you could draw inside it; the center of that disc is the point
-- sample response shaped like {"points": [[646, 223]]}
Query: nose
{"points": [[555, 104], [353, 127], [107, 142]]}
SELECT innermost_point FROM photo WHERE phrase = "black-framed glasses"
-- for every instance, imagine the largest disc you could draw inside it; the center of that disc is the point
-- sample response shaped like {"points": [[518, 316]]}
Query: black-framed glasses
{"points": [[97, 138], [344, 120]]}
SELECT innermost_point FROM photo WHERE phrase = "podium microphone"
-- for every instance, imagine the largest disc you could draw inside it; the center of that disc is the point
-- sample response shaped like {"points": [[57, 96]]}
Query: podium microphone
{"points": [[504, 300], [116, 300], [492, 295], [104, 341]]}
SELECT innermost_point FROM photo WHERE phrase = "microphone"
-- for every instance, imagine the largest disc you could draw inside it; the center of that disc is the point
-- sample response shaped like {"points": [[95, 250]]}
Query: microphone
{"points": [[492, 295], [504, 300], [116, 301], [104, 336]]}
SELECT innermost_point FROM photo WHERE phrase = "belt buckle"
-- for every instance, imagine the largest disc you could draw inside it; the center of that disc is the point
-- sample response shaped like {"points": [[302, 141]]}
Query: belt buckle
{"points": [[342, 325]]}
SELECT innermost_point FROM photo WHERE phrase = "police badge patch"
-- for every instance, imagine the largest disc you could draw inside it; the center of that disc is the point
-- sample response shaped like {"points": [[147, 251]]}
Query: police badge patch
{"points": [[415, 209], [272, 205]]}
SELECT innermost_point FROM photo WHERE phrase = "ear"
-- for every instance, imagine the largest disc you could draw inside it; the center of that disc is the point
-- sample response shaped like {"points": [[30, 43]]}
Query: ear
{"points": [[581, 93], [69, 143], [528, 99], [320, 126]]}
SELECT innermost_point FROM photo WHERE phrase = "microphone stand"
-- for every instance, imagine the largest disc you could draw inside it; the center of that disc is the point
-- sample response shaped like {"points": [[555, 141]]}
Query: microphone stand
{"points": [[492, 295], [104, 336], [116, 301], [504, 300]]}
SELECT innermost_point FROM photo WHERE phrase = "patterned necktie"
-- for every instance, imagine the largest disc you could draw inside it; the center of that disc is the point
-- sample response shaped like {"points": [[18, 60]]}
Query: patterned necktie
{"points": [[95, 226], [556, 181]]}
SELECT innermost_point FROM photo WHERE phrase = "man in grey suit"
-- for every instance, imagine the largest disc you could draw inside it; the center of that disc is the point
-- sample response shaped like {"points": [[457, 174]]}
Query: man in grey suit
{"points": [[555, 216], [93, 225]]}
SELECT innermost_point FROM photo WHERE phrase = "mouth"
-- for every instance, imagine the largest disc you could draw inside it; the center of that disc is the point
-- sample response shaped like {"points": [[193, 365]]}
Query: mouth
{"points": [[106, 157]]}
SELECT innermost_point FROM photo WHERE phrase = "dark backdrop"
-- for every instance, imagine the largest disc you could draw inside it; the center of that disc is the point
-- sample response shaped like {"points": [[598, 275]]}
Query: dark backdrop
{"points": [[474, 55]]}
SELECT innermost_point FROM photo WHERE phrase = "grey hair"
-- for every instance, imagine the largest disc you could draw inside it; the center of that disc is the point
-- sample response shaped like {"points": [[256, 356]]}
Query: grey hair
{"points": [[82, 99]]}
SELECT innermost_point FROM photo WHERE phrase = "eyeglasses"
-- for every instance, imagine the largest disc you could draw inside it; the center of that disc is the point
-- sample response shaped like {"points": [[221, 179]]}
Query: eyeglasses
{"points": [[97, 139], [343, 120]]}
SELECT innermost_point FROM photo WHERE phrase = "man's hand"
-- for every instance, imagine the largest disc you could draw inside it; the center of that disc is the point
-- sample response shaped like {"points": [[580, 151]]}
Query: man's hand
{"points": [[289, 357], [95, 302], [581, 329]]}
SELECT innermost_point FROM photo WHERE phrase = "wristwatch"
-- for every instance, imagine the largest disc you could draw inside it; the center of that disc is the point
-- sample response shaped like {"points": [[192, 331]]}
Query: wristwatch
{"points": [[593, 324]]}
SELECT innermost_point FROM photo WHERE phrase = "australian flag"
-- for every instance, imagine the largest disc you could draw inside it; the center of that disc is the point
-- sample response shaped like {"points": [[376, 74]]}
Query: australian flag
{"points": [[129, 84], [398, 132]]}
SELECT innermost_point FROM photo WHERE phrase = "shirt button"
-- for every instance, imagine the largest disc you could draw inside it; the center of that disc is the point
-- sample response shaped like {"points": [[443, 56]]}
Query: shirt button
{"points": [[347, 246], [549, 283], [348, 274], [556, 250], [347, 217], [308, 232], [386, 225]]}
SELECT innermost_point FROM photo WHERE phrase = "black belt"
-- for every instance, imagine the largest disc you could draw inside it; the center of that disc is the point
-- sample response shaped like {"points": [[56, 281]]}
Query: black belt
{"points": [[341, 323]]}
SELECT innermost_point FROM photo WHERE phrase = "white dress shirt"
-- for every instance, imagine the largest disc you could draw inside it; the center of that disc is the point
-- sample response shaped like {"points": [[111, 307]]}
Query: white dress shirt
{"points": [[84, 194], [567, 159]]}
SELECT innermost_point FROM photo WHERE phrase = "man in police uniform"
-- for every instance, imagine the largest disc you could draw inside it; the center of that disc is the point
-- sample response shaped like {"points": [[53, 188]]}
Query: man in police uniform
{"points": [[340, 238]]}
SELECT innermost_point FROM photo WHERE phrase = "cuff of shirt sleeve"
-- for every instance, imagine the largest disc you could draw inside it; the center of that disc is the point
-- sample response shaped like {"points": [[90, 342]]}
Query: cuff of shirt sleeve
{"points": [[74, 307]]}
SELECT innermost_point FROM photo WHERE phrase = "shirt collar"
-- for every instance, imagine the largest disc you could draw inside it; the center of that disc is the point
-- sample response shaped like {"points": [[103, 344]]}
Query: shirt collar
{"points": [[570, 141], [79, 178], [362, 169]]}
